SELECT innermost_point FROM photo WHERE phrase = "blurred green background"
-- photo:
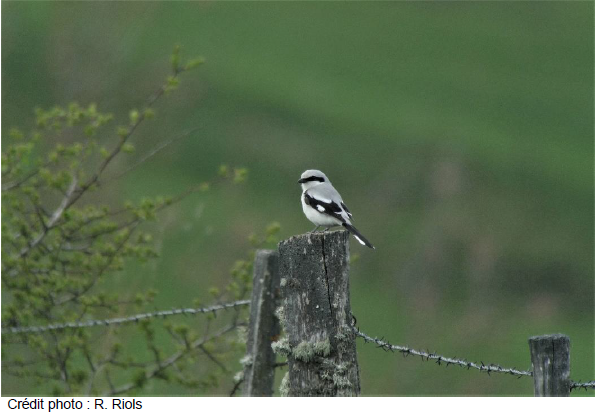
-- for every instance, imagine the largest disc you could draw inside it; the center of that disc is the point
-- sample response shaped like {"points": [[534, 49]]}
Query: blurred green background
{"points": [[460, 134]]}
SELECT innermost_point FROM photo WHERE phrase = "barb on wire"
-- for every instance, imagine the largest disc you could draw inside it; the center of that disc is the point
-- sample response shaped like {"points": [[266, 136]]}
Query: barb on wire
{"points": [[438, 359], [584, 385], [124, 319]]}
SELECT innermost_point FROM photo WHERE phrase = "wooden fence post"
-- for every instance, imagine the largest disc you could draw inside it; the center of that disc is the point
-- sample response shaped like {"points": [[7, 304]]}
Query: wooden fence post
{"points": [[264, 328], [550, 355], [319, 343]]}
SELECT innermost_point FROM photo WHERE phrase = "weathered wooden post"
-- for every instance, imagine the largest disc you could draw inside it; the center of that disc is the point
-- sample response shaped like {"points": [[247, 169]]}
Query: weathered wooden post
{"points": [[264, 328], [319, 342], [550, 355]]}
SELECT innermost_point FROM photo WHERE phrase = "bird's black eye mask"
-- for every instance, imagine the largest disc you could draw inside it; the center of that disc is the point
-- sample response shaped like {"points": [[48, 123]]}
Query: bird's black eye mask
{"points": [[312, 178]]}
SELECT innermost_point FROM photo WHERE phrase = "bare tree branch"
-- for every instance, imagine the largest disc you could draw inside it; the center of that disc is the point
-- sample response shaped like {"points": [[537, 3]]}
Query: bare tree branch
{"points": [[123, 139], [150, 155], [18, 183], [159, 368], [56, 215]]}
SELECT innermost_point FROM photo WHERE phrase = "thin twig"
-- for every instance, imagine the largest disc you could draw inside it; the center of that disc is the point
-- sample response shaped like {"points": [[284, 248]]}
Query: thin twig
{"points": [[171, 360], [236, 386], [213, 358], [150, 155], [56, 215], [123, 140], [18, 183]]}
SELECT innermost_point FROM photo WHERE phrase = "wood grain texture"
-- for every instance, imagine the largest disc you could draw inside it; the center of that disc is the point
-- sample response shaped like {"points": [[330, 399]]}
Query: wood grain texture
{"points": [[316, 315], [550, 355], [263, 326]]}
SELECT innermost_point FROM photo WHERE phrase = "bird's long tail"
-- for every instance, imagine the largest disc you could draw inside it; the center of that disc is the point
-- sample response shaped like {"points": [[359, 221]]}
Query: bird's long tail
{"points": [[362, 239]]}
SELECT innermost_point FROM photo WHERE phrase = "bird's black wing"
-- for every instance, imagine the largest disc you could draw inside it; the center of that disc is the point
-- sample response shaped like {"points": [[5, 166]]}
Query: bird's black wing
{"points": [[323, 207], [346, 209]]}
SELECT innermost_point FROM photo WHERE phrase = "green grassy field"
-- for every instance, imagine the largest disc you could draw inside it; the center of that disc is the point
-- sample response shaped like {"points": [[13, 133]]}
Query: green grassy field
{"points": [[461, 136]]}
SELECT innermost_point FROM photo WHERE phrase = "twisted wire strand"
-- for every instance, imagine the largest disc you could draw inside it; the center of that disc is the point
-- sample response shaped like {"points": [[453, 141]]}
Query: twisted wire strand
{"points": [[583, 385], [426, 356], [489, 368], [125, 319], [381, 343]]}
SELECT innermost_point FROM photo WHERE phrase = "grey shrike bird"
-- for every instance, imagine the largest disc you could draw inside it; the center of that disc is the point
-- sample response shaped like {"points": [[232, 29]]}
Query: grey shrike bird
{"points": [[323, 205]]}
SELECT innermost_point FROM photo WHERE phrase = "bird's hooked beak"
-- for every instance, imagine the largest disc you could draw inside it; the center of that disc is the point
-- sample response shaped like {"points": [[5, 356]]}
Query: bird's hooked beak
{"points": [[302, 180]]}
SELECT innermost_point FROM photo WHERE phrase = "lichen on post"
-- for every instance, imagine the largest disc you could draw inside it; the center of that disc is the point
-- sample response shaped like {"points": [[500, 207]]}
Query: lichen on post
{"points": [[319, 343]]}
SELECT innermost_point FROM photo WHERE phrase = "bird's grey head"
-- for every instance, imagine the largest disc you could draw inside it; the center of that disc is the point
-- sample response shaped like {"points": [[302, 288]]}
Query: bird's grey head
{"points": [[311, 178]]}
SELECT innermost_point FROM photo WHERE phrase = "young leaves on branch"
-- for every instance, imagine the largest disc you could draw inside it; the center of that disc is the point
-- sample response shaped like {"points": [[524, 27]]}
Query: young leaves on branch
{"points": [[58, 247]]}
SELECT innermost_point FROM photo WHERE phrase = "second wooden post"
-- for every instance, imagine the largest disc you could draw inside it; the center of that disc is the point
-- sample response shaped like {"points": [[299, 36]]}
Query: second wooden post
{"points": [[550, 355]]}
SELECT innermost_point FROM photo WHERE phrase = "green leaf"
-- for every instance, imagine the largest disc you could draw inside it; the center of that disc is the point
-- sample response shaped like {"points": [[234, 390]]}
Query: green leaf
{"points": [[122, 131], [134, 116], [15, 134], [172, 83], [148, 113], [193, 63], [240, 175], [128, 148], [223, 170]]}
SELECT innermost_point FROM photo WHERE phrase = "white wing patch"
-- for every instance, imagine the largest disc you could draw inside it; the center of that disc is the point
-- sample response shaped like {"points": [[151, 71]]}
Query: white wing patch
{"points": [[320, 208], [359, 240]]}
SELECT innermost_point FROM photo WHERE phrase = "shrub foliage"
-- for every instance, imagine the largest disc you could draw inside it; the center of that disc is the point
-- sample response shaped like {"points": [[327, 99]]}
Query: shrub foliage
{"points": [[60, 242]]}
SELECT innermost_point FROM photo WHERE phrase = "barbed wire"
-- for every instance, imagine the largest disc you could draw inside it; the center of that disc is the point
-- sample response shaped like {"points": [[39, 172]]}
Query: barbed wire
{"points": [[426, 356], [380, 342], [584, 385], [125, 319]]}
